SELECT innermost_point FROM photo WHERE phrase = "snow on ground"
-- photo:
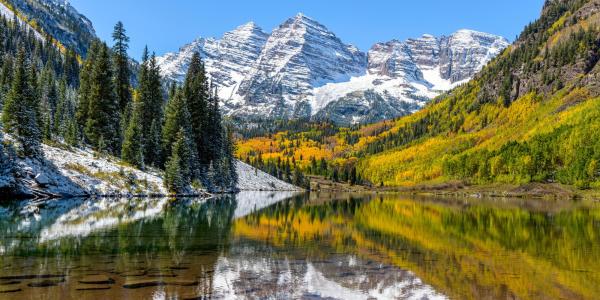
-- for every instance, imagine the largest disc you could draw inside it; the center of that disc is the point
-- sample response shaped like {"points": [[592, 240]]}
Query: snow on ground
{"points": [[432, 75], [81, 172], [398, 88], [9, 14], [252, 179]]}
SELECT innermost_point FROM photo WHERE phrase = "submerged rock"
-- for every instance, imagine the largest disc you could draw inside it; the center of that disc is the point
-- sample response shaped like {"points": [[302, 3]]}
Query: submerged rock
{"points": [[150, 283], [46, 283], [97, 279], [5, 290], [91, 287], [31, 276]]}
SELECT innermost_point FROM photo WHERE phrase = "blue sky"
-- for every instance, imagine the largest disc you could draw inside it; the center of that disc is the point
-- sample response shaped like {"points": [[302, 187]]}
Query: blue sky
{"points": [[166, 25]]}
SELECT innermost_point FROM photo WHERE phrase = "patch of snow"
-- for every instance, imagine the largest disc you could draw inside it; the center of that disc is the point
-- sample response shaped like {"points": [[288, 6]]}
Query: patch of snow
{"points": [[398, 88], [9, 14], [79, 172], [249, 202], [252, 179], [434, 77], [6, 12]]}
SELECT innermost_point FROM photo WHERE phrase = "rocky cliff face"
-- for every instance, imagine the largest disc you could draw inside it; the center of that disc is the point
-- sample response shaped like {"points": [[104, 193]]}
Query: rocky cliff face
{"points": [[227, 61], [59, 19], [299, 55], [402, 76], [465, 52], [304, 70]]}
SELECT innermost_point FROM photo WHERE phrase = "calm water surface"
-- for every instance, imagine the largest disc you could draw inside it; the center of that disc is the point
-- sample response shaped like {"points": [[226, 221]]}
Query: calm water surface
{"points": [[290, 246]]}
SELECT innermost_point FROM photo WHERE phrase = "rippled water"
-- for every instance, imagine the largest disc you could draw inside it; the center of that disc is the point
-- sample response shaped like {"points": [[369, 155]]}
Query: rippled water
{"points": [[299, 246]]}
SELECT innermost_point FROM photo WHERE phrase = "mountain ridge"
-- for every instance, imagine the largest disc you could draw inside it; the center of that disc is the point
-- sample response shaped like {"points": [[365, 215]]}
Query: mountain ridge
{"points": [[293, 71]]}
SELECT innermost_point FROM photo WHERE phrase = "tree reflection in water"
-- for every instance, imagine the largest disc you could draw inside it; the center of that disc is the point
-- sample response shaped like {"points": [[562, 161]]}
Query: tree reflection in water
{"points": [[281, 245]]}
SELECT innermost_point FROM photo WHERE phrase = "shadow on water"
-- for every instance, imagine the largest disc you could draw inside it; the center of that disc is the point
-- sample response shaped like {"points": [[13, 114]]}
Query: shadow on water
{"points": [[286, 245]]}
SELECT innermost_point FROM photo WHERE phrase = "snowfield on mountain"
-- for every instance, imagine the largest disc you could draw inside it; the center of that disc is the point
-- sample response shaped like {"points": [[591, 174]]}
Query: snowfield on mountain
{"points": [[303, 70]]}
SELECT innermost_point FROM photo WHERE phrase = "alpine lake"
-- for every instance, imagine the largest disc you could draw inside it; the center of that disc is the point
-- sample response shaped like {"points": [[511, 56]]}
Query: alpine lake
{"points": [[278, 245]]}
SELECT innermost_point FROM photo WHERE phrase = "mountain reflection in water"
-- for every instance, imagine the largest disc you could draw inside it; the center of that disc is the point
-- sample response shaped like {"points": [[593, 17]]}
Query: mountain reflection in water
{"points": [[290, 246]]}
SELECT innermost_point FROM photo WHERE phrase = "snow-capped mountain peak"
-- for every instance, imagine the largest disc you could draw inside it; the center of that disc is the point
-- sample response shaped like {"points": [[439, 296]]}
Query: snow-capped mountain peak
{"points": [[302, 69], [299, 55], [246, 31]]}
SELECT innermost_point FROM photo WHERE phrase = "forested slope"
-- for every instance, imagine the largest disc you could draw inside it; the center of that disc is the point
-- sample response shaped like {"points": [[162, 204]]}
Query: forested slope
{"points": [[48, 97], [532, 114]]}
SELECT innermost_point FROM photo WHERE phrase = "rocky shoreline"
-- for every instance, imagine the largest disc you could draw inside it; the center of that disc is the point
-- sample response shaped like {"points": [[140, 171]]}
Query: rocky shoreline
{"points": [[460, 189]]}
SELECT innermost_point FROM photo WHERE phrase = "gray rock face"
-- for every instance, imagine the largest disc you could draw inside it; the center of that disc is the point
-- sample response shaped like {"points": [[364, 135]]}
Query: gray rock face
{"points": [[395, 60], [458, 56], [299, 55], [227, 60], [303, 70], [465, 52], [425, 51], [61, 20], [365, 107]]}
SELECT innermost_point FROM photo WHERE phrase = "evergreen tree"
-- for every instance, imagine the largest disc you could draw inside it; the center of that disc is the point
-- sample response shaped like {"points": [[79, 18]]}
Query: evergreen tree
{"points": [[71, 68], [121, 67], [151, 101], [20, 111], [49, 101], [214, 133], [7, 164], [298, 177], [85, 84], [177, 171], [196, 93], [34, 90], [153, 146], [353, 177], [6, 75], [103, 118], [132, 150], [174, 181], [64, 109], [230, 162], [177, 119], [72, 134]]}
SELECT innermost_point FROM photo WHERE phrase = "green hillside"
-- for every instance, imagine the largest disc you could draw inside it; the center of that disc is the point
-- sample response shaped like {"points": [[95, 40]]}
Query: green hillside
{"points": [[531, 115]]}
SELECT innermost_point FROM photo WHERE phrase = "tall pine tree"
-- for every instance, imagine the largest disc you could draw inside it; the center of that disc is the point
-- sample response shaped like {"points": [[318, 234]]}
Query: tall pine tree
{"points": [[20, 110], [85, 84], [196, 93], [177, 119], [133, 149], [178, 174], [150, 104], [121, 66], [102, 127]]}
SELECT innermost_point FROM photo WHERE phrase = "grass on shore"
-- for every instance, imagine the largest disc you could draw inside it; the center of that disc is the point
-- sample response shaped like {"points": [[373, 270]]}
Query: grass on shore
{"points": [[458, 188]]}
